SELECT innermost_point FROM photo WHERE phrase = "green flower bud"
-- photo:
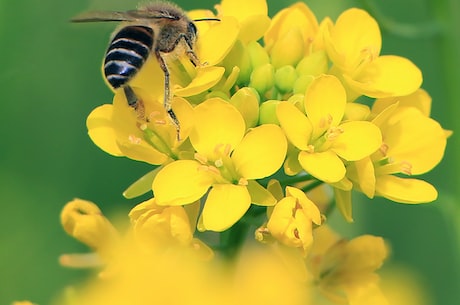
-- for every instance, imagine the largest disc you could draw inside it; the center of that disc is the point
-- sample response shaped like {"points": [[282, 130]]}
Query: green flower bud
{"points": [[302, 83], [298, 101], [262, 78], [285, 78], [257, 54], [246, 100], [313, 64], [288, 50], [267, 112]]}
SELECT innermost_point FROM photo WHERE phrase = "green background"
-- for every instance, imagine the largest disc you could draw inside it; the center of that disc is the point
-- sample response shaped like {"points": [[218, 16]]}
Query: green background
{"points": [[50, 81]]}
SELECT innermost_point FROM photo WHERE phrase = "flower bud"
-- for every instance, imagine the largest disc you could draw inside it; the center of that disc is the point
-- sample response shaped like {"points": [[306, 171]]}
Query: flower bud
{"points": [[302, 83], [314, 64], [262, 78], [257, 54], [288, 50], [240, 57], [285, 78], [267, 112], [246, 100]]}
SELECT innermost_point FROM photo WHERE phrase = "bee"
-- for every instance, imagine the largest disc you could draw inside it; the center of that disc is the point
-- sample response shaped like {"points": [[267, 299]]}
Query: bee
{"points": [[154, 29]]}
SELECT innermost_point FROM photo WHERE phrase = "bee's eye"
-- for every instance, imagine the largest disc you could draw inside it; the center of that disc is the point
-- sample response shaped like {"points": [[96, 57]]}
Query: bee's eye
{"points": [[192, 29]]}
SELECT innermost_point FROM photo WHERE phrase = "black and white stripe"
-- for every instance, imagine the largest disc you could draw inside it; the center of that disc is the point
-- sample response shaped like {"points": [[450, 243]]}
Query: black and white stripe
{"points": [[126, 54]]}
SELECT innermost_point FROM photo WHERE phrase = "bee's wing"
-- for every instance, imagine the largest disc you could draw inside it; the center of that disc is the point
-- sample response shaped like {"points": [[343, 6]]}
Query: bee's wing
{"points": [[101, 16]]}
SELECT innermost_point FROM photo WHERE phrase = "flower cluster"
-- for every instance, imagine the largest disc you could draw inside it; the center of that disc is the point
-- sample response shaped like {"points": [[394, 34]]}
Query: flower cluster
{"points": [[278, 110]]}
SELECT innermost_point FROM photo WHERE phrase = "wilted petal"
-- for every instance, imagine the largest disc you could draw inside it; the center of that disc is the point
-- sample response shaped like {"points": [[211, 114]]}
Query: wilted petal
{"points": [[225, 205], [181, 182], [261, 152]]}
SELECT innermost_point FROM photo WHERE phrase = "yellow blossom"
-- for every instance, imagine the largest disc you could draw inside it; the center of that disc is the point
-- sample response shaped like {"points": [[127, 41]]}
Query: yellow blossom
{"points": [[292, 219], [353, 44], [413, 145], [345, 270], [323, 139], [228, 160]]}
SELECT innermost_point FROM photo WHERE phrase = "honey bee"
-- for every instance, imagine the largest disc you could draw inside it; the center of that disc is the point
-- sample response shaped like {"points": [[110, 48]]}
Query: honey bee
{"points": [[157, 28]]}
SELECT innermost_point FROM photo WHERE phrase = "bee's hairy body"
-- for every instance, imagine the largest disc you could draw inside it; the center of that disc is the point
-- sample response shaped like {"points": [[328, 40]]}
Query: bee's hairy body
{"points": [[155, 29]]}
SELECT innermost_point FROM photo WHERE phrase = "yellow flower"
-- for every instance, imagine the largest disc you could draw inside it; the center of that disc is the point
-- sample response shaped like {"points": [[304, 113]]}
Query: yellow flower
{"points": [[345, 270], [291, 35], [84, 221], [119, 131], [353, 45], [413, 145], [323, 139], [291, 221], [228, 160], [159, 228]]}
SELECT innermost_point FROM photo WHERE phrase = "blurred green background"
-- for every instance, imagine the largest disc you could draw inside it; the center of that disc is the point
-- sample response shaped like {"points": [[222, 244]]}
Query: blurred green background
{"points": [[50, 80]]}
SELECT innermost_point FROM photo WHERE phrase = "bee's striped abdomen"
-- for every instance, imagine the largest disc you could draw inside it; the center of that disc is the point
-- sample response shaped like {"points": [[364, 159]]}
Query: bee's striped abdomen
{"points": [[126, 54]]}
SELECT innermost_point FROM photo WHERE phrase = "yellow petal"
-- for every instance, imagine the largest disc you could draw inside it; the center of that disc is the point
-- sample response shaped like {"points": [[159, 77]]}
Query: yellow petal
{"points": [[205, 78], [141, 185], [181, 182], [217, 124], [343, 201], [325, 166], [214, 44], [355, 35], [260, 195], [261, 152], [253, 28], [386, 76], [358, 140], [309, 208], [325, 102], [101, 131], [242, 9], [416, 139], [225, 205], [420, 99], [295, 124], [405, 190], [362, 172]]}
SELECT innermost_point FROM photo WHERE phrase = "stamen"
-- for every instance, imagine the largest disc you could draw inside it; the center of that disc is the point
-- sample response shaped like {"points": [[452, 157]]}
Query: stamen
{"points": [[200, 158], [325, 122], [333, 133], [80, 260], [219, 163], [310, 149], [243, 181], [384, 149], [134, 140], [406, 168], [227, 150]]}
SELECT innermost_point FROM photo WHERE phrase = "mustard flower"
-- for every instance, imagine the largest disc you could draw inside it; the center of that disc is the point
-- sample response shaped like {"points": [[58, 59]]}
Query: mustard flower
{"points": [[353, 45], [413, 145], [320, 135], [228, 160], [292, 219], [345, 270]]}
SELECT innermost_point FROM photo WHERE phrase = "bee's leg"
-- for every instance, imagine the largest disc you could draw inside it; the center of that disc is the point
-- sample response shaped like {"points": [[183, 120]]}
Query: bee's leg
{"points": [[133, 101], [188, 49], [167, 93]]}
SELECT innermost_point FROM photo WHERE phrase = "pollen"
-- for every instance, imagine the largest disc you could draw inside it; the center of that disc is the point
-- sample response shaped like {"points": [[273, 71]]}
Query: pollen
{"points": [[243, 181], [200, 158], [325, 122], [333, 133]]}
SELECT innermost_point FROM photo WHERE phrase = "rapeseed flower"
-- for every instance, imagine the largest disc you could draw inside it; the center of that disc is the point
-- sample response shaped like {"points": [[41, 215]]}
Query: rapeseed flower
{"points": [[272, 106]]}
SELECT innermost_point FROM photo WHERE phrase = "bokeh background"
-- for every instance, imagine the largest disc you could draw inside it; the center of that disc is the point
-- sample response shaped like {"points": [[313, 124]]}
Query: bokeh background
{"points": [[50, 80]]}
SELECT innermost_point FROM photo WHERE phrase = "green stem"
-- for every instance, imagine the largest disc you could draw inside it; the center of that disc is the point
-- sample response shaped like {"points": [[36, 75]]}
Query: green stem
{"points": [[232, 239]]}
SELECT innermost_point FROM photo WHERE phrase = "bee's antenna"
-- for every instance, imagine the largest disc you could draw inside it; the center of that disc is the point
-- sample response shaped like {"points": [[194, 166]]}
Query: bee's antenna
{"points": [[206, 19]]}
